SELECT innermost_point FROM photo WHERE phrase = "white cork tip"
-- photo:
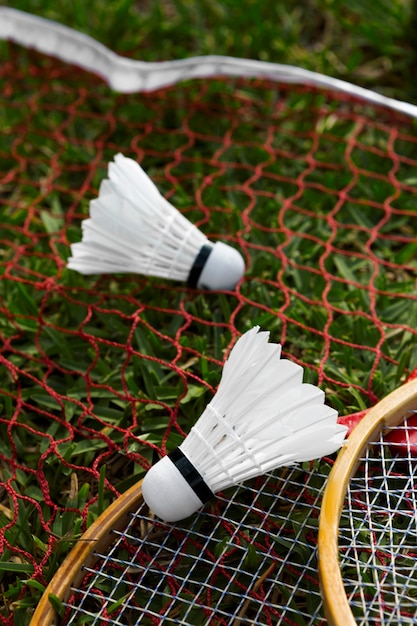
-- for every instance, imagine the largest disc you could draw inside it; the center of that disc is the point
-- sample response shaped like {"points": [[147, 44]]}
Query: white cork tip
{"points": [[167, 493], [223, 269]]}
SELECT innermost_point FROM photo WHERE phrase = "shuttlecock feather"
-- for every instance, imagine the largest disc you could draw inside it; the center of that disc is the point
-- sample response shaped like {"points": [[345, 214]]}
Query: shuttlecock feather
{"points": [[133, 228], [262, 417]]}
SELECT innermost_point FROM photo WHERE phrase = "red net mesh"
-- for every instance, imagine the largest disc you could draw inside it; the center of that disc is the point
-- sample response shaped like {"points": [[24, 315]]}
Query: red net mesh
{"points": [[99, 374]]}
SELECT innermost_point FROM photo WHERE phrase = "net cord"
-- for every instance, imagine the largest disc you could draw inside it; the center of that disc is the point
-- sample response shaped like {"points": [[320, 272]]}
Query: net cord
{"points": [[388, 412], [97, 537], [131, 75]]}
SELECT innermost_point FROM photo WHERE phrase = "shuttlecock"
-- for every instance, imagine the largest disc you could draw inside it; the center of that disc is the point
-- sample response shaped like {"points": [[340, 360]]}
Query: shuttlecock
{"points": [[263, 416], [133, 228]]}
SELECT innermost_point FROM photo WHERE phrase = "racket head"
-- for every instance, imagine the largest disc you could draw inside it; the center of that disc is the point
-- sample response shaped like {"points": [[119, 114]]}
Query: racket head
{"points": [[98, 537], [388, 414], [249, 557]]}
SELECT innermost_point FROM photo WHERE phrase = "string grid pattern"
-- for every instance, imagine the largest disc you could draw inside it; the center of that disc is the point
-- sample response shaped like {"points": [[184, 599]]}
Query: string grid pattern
{"points": [[249, 560], [316, 189], [378, 524]]}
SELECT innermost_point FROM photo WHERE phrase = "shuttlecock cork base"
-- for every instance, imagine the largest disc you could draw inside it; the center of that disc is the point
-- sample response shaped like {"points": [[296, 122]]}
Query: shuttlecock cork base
{"points": [[217, 267], [133, 228], [173, 488], [262, 417]]}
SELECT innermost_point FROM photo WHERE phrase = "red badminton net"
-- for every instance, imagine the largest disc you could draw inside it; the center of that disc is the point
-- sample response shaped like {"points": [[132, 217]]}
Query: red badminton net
{"points": [[318, 192]]}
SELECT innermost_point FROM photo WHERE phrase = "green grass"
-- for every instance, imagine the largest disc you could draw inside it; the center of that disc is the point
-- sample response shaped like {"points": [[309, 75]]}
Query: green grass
{"points": [[101, 373]]}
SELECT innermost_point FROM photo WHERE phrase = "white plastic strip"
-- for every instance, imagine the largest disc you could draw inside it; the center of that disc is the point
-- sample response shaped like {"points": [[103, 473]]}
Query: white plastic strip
{"points": [[130, 76]]}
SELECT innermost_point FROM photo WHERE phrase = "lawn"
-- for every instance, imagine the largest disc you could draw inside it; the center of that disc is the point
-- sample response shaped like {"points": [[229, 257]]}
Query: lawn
{"points": [[101, 374]]}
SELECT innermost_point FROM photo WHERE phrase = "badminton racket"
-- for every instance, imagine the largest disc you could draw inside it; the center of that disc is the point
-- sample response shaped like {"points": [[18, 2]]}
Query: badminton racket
{"points": [[368, 522], [248, 558]]}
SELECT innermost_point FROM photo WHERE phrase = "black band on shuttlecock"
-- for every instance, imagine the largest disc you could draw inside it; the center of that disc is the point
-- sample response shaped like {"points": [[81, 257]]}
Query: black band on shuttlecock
{"points": [[191, 475], [198, 264]]}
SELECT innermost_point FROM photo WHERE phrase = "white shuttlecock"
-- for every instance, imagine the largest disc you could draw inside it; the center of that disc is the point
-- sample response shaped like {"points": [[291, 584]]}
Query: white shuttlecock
{"points": [[263, 416], [133, 228]]}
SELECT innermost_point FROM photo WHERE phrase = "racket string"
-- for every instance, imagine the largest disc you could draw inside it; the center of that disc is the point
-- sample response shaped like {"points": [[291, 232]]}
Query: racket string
{"points": [[249, 559], [378, 530]]}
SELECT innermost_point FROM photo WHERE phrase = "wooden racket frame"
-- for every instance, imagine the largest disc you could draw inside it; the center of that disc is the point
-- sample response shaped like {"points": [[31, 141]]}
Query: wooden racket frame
{"points": [[97, 538], [388, 412]]}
